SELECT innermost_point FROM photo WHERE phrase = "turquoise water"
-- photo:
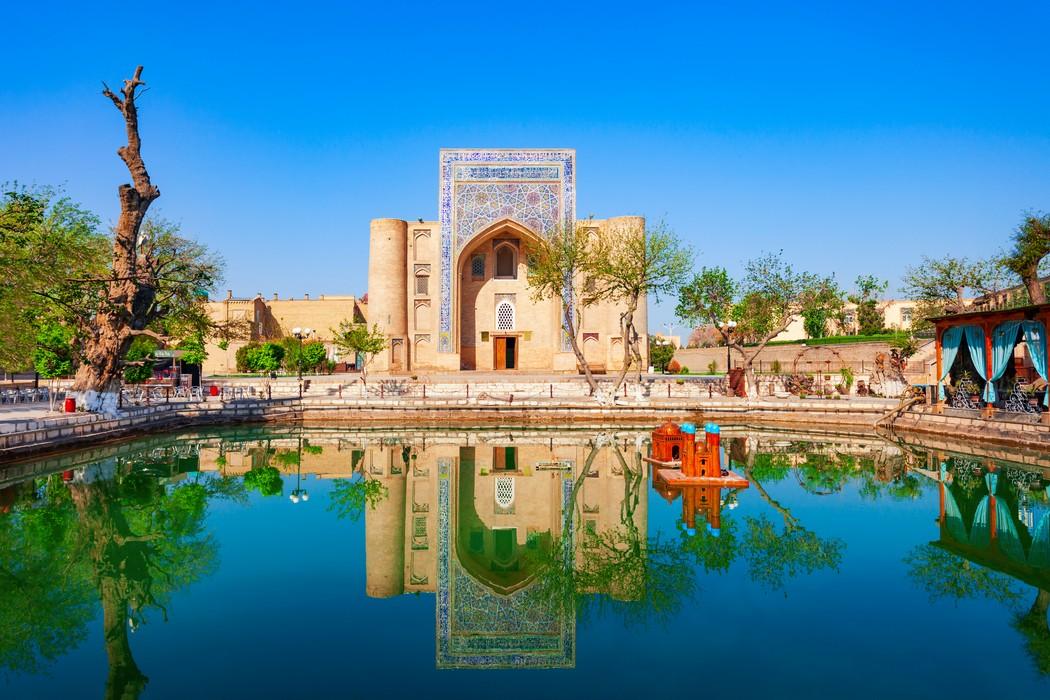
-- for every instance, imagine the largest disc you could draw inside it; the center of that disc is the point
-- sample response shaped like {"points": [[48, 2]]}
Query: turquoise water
{"points": [[299, 563]]}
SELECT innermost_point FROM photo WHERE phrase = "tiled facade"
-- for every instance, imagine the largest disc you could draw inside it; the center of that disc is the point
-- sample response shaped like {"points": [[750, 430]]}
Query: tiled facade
{"points": [[437, 288]]}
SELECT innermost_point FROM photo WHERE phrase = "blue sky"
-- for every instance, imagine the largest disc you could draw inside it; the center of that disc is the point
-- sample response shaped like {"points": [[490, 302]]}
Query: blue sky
{"points": [[855, 137]]}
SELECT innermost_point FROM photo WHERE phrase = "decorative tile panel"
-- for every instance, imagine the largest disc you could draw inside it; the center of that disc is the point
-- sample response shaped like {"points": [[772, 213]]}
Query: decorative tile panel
{"points": [[536, 188]]}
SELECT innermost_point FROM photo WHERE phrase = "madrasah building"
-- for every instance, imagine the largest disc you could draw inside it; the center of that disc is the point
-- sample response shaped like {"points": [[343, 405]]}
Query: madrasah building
{"points": [[452, 294]]}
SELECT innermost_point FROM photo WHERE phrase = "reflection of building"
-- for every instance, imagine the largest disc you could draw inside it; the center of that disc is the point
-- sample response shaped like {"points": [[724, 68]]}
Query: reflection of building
{"points": [[988, 516], [477, 525], [452, 294]]}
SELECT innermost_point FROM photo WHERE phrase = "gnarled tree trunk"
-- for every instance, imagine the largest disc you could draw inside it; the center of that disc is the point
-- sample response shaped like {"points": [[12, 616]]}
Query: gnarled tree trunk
{"points": [[118, 320]]}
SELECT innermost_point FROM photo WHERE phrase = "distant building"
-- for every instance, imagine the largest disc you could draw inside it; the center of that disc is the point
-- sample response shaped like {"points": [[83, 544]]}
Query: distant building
{"points": [[260, 320]]}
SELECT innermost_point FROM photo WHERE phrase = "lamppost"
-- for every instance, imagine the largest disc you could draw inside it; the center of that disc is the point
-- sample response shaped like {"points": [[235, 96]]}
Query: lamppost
{"points": [[727, 328], [301, 334], [299, 493]]}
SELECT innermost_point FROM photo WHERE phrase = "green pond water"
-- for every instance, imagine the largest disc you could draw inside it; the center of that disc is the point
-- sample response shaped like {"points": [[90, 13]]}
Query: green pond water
{"points": [[301, 562]]}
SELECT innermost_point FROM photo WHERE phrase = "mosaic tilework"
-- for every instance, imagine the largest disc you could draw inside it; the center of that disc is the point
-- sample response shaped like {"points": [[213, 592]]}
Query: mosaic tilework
{"points": [[494, 631], [480, 172], [534, 204], [504, 173]]}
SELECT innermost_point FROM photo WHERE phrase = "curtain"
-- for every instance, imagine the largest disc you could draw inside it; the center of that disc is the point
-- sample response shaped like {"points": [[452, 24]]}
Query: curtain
{"points": [[975, 339], [1035, 337], [949, 349], [1004, 337], [981, 532]]}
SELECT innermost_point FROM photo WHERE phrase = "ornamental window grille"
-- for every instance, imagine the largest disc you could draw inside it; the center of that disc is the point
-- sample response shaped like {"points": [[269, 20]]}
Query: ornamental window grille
{"points": [[477, 267], [422, 284], [505, 316], [506, 262], [504, 491]]}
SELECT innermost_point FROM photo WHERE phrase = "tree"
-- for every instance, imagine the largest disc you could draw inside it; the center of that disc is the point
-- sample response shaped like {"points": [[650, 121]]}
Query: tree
{"points": [[763, 303], [45, 239], [558, 268], [815, 322], [266, 480], [1031, 245], [866, 298], [940, 286], [53, 355], [660, 354], [356, 340], [627, 264]]}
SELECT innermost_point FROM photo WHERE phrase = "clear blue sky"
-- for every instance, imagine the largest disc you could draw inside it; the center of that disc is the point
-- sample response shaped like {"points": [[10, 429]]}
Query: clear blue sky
{"points": [[855, 136]]}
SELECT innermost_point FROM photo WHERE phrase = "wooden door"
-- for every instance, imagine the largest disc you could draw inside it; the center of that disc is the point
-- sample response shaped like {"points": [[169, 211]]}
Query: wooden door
{"points": [[512, 353], [500, 350]]}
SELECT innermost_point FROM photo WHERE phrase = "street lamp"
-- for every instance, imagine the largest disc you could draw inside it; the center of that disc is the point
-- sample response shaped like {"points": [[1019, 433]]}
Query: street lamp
{"points": [[299, 493], [301, 334], [727, 327]]}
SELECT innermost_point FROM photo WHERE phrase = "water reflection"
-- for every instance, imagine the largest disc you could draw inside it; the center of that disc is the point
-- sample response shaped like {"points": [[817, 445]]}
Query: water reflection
{"points": [[520, 536], [994, 527], [125, 532]]}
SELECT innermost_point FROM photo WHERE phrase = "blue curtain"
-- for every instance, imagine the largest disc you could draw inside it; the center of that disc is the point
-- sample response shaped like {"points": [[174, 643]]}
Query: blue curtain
{"points": [[1035, 337], [949, 349], [975, 339], [1039, 553], [981, 532], [1004, 337]]}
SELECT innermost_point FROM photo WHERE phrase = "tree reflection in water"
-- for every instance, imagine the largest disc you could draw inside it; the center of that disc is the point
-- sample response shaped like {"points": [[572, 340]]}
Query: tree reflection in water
{"points": [[115, 532], [986, 548]]}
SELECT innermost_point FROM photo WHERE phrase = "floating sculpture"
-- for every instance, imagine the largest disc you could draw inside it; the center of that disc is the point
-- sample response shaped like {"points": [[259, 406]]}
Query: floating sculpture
{"points": [[693, 468]]}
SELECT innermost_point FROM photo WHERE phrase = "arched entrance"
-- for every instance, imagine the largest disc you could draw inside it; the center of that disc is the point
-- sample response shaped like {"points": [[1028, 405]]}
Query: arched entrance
{"points": [[499, 326]]}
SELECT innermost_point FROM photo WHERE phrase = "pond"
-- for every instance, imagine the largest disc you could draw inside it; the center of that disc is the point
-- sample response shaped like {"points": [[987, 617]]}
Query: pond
{"points": [[299, 562]]}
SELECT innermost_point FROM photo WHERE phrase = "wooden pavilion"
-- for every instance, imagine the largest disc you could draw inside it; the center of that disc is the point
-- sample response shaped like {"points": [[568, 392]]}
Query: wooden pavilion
{"points": [[977, 358]]}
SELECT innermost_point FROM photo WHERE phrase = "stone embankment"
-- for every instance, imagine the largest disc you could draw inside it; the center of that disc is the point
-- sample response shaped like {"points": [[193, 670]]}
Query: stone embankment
{"points": [[1016, 430], [405, 403]]}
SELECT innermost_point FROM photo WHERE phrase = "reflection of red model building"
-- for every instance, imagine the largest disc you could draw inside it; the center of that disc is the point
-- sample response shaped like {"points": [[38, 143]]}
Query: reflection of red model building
{"points": [[693, 468]]}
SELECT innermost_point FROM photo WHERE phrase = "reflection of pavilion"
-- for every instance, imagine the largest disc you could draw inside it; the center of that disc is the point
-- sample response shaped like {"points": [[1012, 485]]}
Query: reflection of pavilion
{"points": [[477, 525], [987, 518]]}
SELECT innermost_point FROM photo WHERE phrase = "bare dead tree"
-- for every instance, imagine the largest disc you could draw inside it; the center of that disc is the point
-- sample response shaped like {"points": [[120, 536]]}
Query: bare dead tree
{"points": [[122, 315]]}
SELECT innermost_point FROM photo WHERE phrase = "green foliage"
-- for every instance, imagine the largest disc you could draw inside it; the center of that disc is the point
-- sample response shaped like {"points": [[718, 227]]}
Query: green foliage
{"points": [[905, 343], [684, 370], [45, 240], [775, 367], [940, 285], [776, 555], [140, 352], [847, 377], [350, 497], [944, 575], [866, 298], [53, 355], [266, 481], [660, 354], [193, 349], [312, 357], [264, 358], [1031, 246], [815, 322], [242, 354], [353, 339], [712, 367]]}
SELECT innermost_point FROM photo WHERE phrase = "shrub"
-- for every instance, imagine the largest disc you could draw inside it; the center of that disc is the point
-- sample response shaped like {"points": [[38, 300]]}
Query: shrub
{"points": [[684, 370], [847, 377], [673, 367], [141, 349], [242, 356], [265, 358], [712, 367], [776, 368], [660, 354]]}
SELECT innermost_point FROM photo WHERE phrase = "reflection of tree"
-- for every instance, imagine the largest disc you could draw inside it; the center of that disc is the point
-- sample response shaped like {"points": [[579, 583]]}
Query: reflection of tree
{"points": [[773, 555], [39, 619], [945, 575], [266, 480], [615, 569], [350, 497], [1036, 630], [130, 537]]}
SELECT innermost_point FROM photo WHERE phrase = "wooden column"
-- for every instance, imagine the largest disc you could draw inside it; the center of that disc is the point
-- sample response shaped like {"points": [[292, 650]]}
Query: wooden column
{"points": [[938, 336], [988, 364]]}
